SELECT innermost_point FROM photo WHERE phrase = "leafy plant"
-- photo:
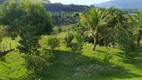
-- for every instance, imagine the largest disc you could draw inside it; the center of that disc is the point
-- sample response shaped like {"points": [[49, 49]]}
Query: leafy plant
{"points": [[53, 43], [107, 58], [68, 39]]}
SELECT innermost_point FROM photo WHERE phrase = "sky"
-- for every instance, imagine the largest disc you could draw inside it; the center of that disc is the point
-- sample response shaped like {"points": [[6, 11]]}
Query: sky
{"points": [[82, 2]]}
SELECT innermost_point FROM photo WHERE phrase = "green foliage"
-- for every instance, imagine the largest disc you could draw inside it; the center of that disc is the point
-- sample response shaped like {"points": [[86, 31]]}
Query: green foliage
{"points": [[29, 43], [128, 44], [36, 66], [94, 22], [68, 39], [137, 21], [111, 25], [62, 66], [58, 7], [53, 43], [29, 21], [3, 33], [57, 30], [107, 58], [26, 17], [76, 48], [64, 18]]}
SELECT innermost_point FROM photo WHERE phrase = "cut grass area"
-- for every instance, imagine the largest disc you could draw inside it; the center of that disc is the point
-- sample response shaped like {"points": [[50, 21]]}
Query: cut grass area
{"points": [[63, 67]]}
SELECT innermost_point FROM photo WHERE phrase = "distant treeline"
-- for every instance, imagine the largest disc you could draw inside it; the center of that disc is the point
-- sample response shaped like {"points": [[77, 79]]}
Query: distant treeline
{"points": [[58, 7], [65, 18], [131, 11], [65, 14]]}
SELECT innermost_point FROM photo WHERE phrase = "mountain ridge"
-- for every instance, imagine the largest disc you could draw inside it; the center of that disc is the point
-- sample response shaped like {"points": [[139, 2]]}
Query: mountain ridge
{"points": [[33, 1], [127, 4]]}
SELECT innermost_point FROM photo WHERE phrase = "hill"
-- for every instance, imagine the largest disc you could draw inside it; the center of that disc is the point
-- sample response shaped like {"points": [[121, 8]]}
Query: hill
{"points": [[34, 1], [56, 7], [123, 4]]}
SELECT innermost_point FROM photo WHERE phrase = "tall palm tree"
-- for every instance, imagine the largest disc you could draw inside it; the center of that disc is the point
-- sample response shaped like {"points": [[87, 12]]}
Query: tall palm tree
{"points": [[137, 19], [139, 24], [92, 21]]}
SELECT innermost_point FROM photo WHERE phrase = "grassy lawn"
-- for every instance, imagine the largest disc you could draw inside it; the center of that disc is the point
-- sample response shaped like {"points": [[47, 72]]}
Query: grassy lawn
{"points": [[63, 67]]}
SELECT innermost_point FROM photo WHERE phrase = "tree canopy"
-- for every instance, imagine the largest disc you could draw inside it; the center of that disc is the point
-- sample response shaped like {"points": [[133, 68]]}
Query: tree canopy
{"points": [[27, 20]]}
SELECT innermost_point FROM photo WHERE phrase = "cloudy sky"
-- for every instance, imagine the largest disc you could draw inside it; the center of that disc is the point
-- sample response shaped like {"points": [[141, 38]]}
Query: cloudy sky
{"points": [[84, 2]]}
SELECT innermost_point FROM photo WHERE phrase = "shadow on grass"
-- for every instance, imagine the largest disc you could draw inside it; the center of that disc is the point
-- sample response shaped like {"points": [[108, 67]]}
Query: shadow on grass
{"points": [[2, 59], [100, 51], [133, 57], [63, 67]]}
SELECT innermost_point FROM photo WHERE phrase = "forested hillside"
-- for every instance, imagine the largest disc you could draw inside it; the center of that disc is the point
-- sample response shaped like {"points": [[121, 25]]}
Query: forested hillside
{"points": [[61, 14], [58, 7]]}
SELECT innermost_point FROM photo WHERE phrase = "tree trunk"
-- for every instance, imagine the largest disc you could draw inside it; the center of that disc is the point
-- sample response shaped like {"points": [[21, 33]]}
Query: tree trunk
{"points": [[94, 46], [5, 53], [139, 38], [138, 42], [95, 43]]}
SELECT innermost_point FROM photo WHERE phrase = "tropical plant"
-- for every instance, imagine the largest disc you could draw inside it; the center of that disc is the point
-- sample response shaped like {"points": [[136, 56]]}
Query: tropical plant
{"points": [[107, 27], [53, 43], [68, 39], [92, 21], [29, 21], [138, 22]]}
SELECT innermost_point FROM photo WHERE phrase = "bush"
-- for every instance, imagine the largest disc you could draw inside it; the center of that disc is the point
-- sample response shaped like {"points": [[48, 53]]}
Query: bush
{"points": [[128, 44], [68, 39], [53, 43], [76, 48], [36, 66], [57, 30]]}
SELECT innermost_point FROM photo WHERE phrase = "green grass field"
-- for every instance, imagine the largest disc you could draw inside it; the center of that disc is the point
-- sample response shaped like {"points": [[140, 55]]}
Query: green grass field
{"points": [[63, 66]]}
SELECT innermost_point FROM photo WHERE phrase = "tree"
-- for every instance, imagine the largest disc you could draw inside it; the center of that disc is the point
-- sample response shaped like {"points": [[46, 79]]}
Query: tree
{"points": [[107, 26], [29, 21], [92, 20], [138, 22], [64, 18], [4, 33], [58, 7], [68, 39], [53, 43]]}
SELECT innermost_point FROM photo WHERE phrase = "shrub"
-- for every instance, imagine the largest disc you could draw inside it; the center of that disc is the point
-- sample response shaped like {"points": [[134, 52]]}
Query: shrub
{"points": [[76, 47], [128, 44], [68, 39], [36, 66], [57, 30], [53, 43]]}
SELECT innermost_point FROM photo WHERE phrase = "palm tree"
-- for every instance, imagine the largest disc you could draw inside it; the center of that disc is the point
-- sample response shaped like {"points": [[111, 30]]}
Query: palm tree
{"points": [[137, 19], [139, 24], [108, 25], [92, 21]]}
